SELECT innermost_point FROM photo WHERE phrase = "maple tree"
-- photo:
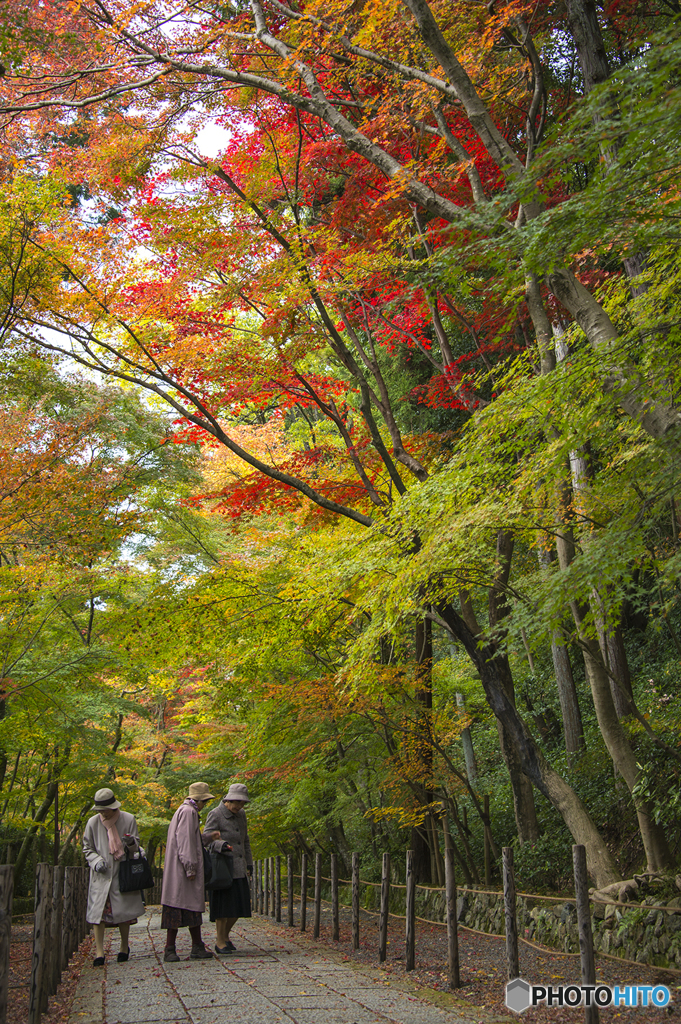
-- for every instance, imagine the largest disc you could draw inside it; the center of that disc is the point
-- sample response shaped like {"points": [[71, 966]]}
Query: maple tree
{"points": [[77, 463], [373, 205]]}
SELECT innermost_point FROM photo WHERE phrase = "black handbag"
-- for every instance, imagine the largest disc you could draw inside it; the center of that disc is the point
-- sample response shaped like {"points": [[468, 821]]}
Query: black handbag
{"points": [[134, 875], [222, 865], [207, 867]]}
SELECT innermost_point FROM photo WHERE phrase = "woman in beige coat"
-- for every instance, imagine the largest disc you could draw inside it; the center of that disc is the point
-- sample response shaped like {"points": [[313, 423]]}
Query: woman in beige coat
{"points": [[107, 836]]}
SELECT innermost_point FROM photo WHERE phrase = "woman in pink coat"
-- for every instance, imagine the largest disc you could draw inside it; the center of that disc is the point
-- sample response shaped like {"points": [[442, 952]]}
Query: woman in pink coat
{"points": [[183, 895]]}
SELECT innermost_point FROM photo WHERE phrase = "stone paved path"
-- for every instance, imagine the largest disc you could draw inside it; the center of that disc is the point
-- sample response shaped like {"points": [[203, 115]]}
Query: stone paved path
{"points": [[271, 980]]}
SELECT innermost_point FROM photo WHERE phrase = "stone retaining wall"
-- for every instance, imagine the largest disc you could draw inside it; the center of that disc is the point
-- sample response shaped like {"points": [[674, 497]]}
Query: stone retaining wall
{"points": [[645, 933]]}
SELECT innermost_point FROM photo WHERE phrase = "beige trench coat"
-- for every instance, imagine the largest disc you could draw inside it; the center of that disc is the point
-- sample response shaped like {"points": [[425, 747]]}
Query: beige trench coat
{"points": [[124, 905]]}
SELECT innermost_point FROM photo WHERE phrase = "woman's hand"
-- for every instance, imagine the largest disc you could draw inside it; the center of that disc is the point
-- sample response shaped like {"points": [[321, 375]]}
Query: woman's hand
{"points": [[215, 836]]}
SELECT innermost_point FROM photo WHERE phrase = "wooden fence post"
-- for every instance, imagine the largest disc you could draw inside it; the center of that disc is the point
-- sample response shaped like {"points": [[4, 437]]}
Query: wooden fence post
{"points": [[410, 926], [84, 877], [355, 901], [78, 908], [254, 897], [335, 915], [261, 887], [67, 921], [57, 920], [277, 894], [488, 857], [452, 926], [385, 908], [256, 886], [266, 889], [586, 945], [303, 892], [272, 889], [43, 894], [317, 894], [509, 913], [46, 966], [289, 890], [6, 894]]}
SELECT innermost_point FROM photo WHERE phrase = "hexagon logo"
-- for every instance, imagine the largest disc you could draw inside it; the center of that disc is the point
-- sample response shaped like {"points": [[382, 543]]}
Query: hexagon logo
{"points": [[518, 995]]}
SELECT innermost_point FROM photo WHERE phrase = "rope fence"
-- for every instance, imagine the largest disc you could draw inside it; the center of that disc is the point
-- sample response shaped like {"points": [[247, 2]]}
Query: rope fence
{"points": [[267, 901]]}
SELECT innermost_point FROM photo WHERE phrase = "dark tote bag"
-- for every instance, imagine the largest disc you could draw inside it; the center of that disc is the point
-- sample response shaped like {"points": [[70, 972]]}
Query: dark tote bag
{"points": [[221, 877], [135, 874]]}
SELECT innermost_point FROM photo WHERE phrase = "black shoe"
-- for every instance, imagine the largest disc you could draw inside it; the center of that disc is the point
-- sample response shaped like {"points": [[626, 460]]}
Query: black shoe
{"points": [[230, 946], [98, 961], [123, 957], [224, 951], [170, 957]]}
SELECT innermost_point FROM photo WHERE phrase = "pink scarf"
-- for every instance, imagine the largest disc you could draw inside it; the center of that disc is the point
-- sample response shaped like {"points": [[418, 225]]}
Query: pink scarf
{"points": [[115, 844]]}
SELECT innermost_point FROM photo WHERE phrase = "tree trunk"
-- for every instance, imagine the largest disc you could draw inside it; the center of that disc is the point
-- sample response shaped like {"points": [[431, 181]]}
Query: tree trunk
{"points": [[526, 821], [340, 843], [420, 849], [64, 852], [467, 744], [573, 729], [586, 32], [658, 855], [615, 658], [524, 808], [39, 818], [577, 818]]}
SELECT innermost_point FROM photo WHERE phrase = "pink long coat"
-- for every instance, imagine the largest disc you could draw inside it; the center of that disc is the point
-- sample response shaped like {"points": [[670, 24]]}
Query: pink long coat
{"points": [[184, 856]]}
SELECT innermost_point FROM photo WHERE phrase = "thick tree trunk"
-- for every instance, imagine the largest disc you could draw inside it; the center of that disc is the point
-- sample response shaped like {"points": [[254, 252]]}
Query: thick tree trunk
{"points": [[658, 854], [573, 729], [586, 32], [577, 818], [524, 808], [614, 657], [618, 663], [498, 608], [657, 851], [339, 841], [420, 848]]}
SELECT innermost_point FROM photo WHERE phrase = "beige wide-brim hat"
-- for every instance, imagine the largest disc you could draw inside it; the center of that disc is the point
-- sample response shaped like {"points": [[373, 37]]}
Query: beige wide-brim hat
{"points": [[237, 791], [200, 791], [105, 801]]}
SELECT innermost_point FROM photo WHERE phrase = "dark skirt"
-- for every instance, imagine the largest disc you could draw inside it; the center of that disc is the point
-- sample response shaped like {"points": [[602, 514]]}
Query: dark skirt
{"points": [[175, 917], [232, 902]]}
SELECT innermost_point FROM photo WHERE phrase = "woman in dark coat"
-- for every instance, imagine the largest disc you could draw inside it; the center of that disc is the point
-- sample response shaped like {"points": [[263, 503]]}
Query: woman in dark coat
{"points": [[228, 905]]}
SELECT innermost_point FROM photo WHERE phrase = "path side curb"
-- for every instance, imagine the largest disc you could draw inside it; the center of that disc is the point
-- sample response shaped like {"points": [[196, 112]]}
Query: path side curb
{"points": [[88, 1001]]}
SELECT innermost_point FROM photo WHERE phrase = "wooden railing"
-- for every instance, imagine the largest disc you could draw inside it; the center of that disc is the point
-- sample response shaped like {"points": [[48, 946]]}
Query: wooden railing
{"points": [[266, 894], [58, 929]]}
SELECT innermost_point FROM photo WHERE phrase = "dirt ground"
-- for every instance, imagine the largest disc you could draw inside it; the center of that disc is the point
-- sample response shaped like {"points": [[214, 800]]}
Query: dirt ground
{"points": [[482, 960], [20, 962], [482, 967]]}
